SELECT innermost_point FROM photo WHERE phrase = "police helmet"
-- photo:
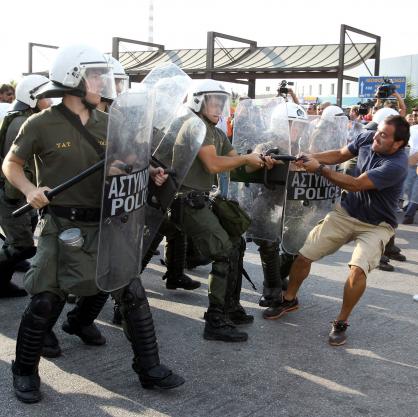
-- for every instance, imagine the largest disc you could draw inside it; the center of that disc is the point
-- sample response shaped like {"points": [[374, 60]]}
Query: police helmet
{"points": [[331, 111], [382, 113], [26, 90], [77, 70], [121, 78], [204, 92]]}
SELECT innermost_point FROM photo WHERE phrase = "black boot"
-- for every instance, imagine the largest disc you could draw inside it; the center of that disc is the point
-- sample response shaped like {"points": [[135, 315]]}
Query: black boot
{"points": [[38, 318], [175, 260], [7, 288], [117, 315], [270, 297], [80, 320], [219, 327], [151, 251], [235, 311], [51, 347], [272, 284], [139, 329]]}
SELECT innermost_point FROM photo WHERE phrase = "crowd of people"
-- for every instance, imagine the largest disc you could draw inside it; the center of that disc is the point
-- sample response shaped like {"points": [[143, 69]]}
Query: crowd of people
{"points": [[42, 145]]}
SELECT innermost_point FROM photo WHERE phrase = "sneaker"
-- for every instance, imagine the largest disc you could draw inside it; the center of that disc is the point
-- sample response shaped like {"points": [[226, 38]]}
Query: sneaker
{"points": [[181, 281], [286, 306], [337, 336]]}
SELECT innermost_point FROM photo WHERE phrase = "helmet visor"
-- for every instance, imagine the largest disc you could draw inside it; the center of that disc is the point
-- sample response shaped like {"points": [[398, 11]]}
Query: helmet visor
{"points": [[215, 105], [99, 82]]}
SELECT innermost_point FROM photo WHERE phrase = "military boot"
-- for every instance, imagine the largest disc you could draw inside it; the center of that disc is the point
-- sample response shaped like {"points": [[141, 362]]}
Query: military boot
{"points": [[38, 318], [219, 327], [80, 320], [272, 284], [270, 297], [175, 259], [51, 347], [139, 329]]}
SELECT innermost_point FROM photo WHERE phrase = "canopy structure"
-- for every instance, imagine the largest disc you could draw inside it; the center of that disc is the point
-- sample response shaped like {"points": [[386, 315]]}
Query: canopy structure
{"points": [[246, 64]]}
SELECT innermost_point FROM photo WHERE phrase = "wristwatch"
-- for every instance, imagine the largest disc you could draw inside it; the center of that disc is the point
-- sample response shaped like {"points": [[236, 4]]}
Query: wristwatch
{"points": [[318, 171]]}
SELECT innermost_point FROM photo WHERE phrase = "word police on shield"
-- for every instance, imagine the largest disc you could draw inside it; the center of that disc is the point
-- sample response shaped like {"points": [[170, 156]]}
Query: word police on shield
{"points": [[125, 193], [308, 186]]}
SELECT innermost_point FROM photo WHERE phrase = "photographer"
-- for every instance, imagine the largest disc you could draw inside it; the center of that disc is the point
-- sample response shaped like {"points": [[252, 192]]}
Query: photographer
{"points": [[386, 90], [284, 91]]}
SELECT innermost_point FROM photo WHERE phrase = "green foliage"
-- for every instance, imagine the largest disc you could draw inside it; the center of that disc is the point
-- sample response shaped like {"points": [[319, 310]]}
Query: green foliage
{"points": [[410, 100]]}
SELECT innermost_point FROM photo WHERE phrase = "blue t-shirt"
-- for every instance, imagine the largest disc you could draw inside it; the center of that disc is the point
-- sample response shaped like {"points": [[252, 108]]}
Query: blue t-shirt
{"points": [[387, 172]]}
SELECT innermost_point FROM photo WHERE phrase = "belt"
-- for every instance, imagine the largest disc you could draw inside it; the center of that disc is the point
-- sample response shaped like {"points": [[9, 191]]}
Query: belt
{"points": [[76, 213], [195, 194]]}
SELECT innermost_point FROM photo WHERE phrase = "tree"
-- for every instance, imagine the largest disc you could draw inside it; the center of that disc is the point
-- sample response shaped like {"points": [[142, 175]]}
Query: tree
{"points": [[410, 100]]}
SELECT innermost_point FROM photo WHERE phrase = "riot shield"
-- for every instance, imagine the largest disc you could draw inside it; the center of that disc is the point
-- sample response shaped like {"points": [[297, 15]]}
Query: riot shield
{"points": [[261, 126], [310, 197], [170, 85], [175, 153], [125, 189]]}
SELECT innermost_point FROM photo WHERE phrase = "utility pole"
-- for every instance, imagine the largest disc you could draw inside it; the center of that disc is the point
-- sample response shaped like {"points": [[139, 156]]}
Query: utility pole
{"points": [[151, 22]]}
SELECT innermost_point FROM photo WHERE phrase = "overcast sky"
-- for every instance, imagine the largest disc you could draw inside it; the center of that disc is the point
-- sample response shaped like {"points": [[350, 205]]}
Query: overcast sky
{"points": [[185, 23]]}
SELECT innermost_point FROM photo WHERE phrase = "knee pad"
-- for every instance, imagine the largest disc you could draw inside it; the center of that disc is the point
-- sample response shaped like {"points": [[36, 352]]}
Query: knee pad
{"points": [[44, 304], [134, 294]]}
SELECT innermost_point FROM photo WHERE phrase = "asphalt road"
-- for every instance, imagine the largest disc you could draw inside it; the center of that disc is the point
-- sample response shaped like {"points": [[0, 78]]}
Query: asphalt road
{"points": [[285, 369]]}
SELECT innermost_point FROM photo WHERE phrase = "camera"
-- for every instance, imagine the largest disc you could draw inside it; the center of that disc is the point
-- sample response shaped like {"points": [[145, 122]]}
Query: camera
{"points": [[386, 89], [283, 90], [364, 107]]}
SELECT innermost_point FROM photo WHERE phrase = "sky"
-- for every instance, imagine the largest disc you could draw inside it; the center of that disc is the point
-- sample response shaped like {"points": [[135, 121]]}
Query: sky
{"points": [[185, 23]]}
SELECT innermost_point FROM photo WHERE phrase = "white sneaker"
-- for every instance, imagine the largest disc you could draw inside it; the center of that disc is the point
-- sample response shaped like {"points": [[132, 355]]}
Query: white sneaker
{"points": [[415, 297]]}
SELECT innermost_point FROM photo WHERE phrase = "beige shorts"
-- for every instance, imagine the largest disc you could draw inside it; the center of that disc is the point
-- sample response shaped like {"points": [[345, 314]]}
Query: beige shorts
{"points": [[339, 228]]}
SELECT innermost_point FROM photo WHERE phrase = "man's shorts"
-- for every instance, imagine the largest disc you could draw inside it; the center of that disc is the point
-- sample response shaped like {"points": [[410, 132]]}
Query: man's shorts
{"points": [[339, 228]]}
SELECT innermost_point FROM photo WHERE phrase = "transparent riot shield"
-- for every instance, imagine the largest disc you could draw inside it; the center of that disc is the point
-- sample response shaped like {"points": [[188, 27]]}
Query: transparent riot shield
{"points": [[261, 126], [125, 188], [170, 85], [175, 153], [310, 197]]}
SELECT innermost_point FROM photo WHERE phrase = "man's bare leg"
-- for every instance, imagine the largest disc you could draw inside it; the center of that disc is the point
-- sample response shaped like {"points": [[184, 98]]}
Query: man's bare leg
{"points": [[353, 290], [298, 273]]}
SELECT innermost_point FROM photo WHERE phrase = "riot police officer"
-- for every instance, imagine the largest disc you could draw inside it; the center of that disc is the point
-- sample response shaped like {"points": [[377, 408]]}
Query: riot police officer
{"points": [[209, 100], [19, 243], [65, 140]]}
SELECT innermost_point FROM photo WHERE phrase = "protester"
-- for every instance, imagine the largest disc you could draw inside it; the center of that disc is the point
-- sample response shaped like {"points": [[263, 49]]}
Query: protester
{"points": [[366, 216]]}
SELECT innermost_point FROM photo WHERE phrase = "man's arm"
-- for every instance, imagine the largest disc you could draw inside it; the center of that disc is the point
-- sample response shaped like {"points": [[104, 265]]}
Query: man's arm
{"points": [[401, 104], [216, 164], [337, 156], [13, 170], [347, 182], [413, 159]]}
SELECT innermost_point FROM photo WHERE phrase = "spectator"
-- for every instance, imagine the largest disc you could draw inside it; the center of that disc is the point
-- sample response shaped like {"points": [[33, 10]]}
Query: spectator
{"points": [[7, 93], [322, 107], [312, 109], [411, 182]]}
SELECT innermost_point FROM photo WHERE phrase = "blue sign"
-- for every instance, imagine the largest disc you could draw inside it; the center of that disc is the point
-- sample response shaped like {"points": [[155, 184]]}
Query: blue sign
{"points": [[367, 86]]}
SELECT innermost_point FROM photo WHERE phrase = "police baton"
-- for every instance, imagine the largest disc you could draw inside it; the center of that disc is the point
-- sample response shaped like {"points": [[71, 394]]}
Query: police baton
{"points": [[62, 187]]}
